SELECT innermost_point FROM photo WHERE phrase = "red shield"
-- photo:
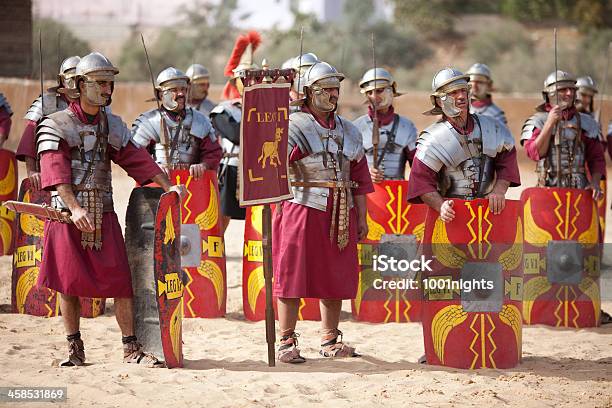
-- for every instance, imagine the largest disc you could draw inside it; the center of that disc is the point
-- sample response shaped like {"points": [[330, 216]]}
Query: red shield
{"points": [[168, 278], [602, 207], [479, 326], [202, 246], [561, 226], [253, 284], [26, 296], [8, 191], [389, 214]]}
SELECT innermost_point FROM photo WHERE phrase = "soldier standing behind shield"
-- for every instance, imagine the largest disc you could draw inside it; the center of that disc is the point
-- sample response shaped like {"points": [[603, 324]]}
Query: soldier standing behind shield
{"points": [[226, 119], [88, 258], [56, 99], [316, 233], [578, 147], [462, 155], [397, 133], [191, 140]]}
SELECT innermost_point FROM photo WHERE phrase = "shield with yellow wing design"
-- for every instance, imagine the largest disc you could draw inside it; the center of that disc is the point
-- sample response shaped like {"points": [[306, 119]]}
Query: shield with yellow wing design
{"points": [[8, 191], [26, 296], [391, 219], [472, 297], [153, 241], [562, 257], [253, 283], [202, 245]]}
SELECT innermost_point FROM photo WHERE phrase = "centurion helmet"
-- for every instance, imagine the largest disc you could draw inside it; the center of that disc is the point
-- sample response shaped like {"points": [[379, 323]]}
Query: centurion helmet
{"points": [[445, 81], [377, 78]]}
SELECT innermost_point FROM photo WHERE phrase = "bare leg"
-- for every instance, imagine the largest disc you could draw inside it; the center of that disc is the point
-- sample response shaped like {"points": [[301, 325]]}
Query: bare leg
{"points": [[124, 312], [330, 317], [226, 221], [71, 313], [287, 315]]}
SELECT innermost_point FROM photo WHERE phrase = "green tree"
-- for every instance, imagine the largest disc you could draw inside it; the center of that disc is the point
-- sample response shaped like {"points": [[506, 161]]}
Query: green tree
{"points": [[58, 43], [432, 18]]}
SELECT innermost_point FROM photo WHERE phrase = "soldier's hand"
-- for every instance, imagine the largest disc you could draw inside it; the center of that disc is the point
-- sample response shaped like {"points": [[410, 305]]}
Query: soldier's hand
{"points": [[34, 180], [197, 170], [376, 174], [497, 202], [180, 189], [447, 214], [362, 228], [554, 115], [83, 220], [597, 193]]}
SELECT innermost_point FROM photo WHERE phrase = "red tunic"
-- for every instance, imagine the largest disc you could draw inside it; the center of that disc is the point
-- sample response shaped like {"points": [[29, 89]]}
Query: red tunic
{"points": [[27, 144], [594, 154], [5, 122], [210, 153], [424, 180], [66, 266], [305, 262]]}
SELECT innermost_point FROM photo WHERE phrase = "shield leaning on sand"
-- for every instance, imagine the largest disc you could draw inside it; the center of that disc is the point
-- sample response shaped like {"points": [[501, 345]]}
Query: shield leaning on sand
{"points": [[26, 296], [153, 246], [202, 245], [393, 225], [562, 258], [479, 326]]}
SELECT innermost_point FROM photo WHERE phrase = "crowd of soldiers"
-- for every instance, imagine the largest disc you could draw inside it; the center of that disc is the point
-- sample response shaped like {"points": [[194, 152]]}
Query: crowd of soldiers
{"points": [[71, 136]]}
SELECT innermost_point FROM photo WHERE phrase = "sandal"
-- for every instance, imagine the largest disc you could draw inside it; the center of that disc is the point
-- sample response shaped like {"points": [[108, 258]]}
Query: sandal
{"points": [[288, 351], [133, 354], [76, 354], [337, 349], [605, 318]]}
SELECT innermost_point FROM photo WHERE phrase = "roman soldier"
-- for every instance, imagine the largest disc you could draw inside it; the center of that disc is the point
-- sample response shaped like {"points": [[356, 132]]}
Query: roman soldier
{"points": [[199, 78], [585, 95], [300, 64], [5, 119], [562, 140], [187, 139], [316, 233], [226, 117], [481, 86], [397, 134], [56, 99], [463, 155], [87, 257]]}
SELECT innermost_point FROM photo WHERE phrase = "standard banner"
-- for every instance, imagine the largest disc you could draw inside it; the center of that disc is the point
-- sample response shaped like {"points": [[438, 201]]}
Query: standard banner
{"points": [[393, 225], [263, 145], [562, 258], [472, 296]]}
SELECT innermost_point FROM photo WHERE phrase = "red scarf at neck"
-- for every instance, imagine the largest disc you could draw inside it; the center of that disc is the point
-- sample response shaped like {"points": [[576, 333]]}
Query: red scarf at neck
{"points": [[75, 106], [481, 103], [327, 123], [383, 118]]}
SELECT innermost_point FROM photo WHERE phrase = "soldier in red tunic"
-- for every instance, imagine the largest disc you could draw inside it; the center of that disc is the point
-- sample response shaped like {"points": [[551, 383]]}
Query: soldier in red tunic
{"points": [[87, 258], [316, 233], [5, 119]]}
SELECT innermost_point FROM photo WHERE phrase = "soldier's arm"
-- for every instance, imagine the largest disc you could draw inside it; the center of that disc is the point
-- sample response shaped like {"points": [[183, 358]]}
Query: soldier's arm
{"points": [[79, 216], [542, 140]]}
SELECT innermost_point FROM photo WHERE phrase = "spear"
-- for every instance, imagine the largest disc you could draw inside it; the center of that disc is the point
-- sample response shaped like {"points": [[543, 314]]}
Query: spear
{"points": [[557, 128], [375, 124], [605, 82]]}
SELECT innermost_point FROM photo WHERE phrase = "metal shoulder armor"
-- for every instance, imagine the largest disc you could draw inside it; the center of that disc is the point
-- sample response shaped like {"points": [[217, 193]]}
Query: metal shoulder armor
{"points": [[406, 135], [535, 121], [199, 125], [146, 128], [118, 133], [496, 137], [590, 126]]}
